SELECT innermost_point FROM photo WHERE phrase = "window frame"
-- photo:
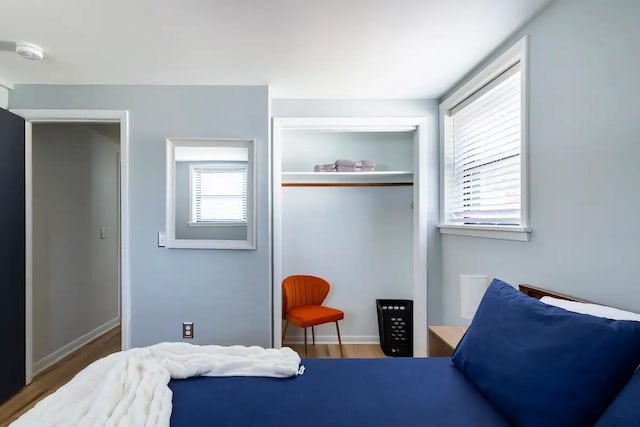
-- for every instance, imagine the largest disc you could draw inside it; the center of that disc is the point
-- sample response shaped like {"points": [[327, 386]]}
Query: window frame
{"points": [[518, 52], [217, 166], [173, 242]]}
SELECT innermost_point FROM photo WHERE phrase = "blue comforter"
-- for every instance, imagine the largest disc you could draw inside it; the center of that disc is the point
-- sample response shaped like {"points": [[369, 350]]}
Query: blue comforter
{"points": [[343, 392]]}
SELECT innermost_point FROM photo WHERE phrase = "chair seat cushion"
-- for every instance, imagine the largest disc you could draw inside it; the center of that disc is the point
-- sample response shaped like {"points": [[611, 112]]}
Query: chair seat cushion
{"points": [[310, 315]]}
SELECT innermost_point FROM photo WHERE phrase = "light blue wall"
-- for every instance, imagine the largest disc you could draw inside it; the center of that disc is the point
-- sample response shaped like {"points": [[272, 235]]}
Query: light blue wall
{"points": [[584, 124], [353, 107], [427, 108], [226, 293]]}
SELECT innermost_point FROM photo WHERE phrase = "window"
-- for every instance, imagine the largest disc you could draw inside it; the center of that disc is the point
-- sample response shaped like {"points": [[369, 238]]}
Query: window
{"points": [[484, 164], [210, 193], [219, 193]]}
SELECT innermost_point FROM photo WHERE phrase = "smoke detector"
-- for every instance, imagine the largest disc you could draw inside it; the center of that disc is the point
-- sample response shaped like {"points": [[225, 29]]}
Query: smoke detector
{"points": [[29, 50]]}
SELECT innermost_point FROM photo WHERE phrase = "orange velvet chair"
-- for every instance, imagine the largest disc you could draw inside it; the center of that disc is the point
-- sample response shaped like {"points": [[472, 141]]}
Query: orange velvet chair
{"points": [[302, 298]]}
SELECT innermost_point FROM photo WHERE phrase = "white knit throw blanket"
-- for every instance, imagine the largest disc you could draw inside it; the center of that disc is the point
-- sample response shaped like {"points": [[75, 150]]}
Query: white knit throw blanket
{"points": [[130, 388]]}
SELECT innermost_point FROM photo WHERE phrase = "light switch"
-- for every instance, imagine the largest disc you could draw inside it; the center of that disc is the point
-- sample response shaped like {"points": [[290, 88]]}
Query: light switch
{"points": [[162, 239], [103, 233]]}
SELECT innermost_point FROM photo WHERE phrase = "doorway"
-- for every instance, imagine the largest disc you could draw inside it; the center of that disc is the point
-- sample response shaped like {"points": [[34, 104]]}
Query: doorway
{"points": [[415, 273], [77, 225], [75, 242]]}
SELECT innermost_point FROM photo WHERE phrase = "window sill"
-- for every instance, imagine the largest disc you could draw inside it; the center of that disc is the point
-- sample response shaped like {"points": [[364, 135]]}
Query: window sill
{"points": [[520, 234], [217, 224]]}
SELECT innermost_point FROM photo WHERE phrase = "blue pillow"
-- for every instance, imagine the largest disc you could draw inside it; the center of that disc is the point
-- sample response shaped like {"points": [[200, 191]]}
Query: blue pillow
{"points": [[625, 410], [543, 365]]}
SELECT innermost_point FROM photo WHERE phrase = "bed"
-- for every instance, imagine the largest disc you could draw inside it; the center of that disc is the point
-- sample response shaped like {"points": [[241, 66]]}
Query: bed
{"points": [[347, 392], [520, 362], [338, 392]]}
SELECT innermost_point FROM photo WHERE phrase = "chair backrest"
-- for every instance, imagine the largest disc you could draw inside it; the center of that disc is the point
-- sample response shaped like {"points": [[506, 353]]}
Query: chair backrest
{"points": [[303, 290]]}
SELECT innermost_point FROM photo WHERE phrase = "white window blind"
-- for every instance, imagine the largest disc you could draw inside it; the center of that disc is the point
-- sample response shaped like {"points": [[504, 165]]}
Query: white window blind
{"points": [[219, 193], [483, 136]]}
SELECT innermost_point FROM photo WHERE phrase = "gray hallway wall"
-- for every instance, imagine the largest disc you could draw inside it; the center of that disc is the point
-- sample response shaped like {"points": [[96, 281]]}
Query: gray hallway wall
{"points": [[75, 194]]}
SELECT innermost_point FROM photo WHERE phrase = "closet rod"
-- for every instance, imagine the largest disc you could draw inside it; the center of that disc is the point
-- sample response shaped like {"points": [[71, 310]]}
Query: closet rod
{"points": [[346, 184]]}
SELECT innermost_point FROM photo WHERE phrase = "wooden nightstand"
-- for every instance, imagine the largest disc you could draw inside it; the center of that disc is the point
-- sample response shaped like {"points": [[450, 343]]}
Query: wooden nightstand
{"points": [[443, 339]]}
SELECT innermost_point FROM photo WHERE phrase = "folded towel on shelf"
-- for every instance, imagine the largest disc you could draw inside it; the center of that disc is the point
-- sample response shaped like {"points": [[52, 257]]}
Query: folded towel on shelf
{"points": [[324, 168], [360, 166], [355, 169], [343, 165], [348, 163]]}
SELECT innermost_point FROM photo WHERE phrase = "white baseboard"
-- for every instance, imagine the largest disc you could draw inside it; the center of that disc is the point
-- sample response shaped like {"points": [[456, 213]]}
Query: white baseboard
{"points": [[67, 349], [333, 339]]}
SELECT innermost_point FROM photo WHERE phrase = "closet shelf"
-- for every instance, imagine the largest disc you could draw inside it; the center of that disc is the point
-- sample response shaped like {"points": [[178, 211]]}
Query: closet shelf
{"points": [[347, 179]]}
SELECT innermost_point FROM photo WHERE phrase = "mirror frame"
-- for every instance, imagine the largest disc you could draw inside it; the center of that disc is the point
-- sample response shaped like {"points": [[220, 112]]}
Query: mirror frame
{"points": [[172, 242]]}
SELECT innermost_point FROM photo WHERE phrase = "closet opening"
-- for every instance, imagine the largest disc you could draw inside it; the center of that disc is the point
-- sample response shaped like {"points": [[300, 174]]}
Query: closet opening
{"points": [[349, 207]]}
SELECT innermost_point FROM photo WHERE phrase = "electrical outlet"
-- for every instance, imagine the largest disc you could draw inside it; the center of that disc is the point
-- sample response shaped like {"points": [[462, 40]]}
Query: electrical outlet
{"points": [[187, 329]]}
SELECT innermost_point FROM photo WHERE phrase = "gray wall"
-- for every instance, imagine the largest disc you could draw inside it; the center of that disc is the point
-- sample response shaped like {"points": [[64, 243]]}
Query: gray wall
{"points": [[4, 97], [583, 144], [360, 239], [427, 108], [183, 229], [75, 193], [226, 292]]}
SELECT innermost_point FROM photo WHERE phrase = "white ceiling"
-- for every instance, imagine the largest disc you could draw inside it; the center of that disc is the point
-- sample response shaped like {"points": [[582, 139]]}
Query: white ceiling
{"points": [[301, 48]]}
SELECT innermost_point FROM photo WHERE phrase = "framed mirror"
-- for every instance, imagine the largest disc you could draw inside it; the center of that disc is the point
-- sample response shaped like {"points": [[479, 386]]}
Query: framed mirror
{"points": [[211, 193]]}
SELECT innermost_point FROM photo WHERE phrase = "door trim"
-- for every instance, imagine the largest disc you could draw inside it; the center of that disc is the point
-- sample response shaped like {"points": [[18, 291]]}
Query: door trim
{"points": [[417, 125], [78, 116]]}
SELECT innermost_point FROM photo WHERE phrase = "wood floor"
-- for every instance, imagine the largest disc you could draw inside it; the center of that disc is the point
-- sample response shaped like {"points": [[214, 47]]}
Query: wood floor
{"points": [[59, 374], [351, 351]]}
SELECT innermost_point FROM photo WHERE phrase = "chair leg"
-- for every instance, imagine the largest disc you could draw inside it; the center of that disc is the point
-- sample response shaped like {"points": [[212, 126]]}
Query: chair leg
{"points": [[339, 339], [305, 342], [284, 333], [313, 335]]}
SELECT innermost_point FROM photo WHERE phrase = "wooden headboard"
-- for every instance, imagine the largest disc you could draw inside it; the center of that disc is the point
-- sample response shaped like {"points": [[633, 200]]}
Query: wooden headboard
{"points": [[538, 293]]}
